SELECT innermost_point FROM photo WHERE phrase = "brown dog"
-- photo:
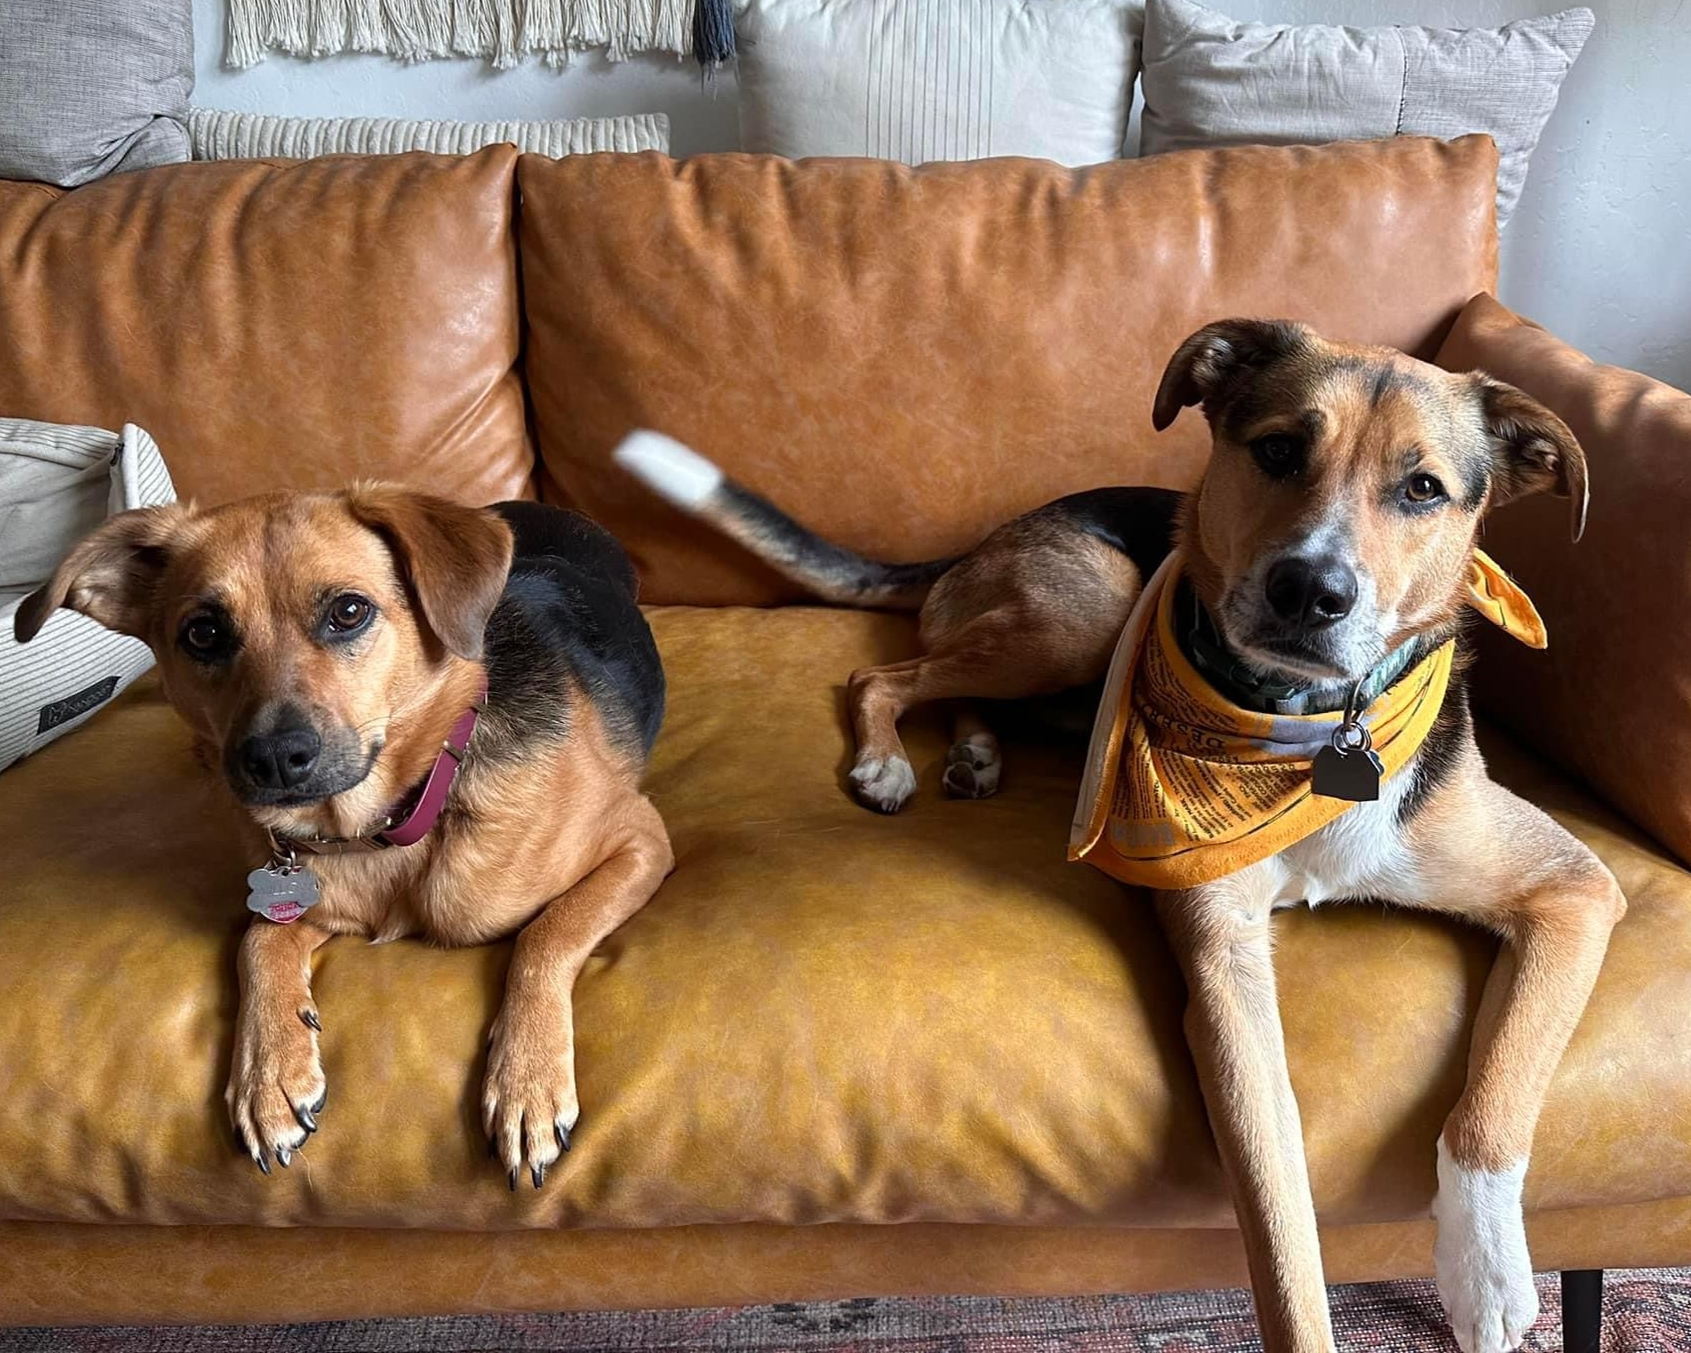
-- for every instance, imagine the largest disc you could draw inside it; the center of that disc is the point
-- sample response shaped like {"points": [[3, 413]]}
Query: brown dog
{"points": [[326, 650], [1332, 531]]}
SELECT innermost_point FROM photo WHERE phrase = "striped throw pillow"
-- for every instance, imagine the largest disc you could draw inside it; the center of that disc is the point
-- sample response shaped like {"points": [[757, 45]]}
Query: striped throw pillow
{"points": [[57, 484]]}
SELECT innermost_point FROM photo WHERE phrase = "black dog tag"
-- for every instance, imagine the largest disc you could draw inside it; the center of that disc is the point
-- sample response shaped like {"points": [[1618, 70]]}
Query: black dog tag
{"points": [[1353, 775], [1348, 768]]}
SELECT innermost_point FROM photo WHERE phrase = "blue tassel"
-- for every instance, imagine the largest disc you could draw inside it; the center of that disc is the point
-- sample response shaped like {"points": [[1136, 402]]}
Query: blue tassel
{"points": [[713, 34]]}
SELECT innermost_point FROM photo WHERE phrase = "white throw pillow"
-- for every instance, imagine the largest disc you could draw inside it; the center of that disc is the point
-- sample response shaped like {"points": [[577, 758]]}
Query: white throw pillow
{"points": [[920, 80], [220, 135], [1212, 82], [57, 484]]}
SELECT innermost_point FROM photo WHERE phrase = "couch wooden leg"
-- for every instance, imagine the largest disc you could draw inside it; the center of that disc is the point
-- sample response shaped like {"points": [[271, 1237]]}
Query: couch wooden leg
{"points": [[1582, 1310]]}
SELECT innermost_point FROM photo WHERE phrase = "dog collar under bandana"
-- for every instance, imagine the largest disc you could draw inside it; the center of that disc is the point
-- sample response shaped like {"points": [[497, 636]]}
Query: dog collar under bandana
{"points": [[1235, 679], [1184, 787], [285, 889]]}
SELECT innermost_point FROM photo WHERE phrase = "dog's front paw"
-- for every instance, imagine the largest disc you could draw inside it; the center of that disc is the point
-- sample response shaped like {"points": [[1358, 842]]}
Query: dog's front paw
{"points": [[529, 1104], [883, 783], [276, 1086], [1484, 1273]]}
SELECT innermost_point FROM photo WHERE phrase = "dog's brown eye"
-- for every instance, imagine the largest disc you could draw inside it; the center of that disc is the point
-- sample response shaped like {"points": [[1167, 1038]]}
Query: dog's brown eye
{"points": [[1423, 488], [349, 612], [207, 637], [1279, 454]]}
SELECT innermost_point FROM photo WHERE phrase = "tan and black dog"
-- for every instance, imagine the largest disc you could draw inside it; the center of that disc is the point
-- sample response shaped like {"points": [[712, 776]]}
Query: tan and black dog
{"points": [[1333, 527], [337, 655]]}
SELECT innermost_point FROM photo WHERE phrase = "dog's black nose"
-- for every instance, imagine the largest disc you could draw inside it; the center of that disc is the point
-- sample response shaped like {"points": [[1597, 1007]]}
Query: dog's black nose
{"points": [[1311, 593], [281, 760]]}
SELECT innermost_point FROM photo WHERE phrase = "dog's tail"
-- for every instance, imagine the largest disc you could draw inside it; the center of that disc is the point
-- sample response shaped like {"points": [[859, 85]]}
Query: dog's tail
{"points": [[684, 478]]}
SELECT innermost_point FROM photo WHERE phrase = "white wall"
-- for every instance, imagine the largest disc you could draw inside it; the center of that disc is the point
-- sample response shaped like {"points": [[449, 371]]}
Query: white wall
{"points": [[1599, 249]]}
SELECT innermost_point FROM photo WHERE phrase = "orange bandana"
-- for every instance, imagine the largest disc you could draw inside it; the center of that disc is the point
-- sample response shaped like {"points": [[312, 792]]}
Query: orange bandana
{"points": [[1184, 787]]}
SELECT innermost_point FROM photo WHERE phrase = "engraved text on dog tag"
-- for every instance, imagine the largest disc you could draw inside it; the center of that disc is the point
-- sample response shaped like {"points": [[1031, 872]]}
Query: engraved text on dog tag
{"points": [[282, 892]]}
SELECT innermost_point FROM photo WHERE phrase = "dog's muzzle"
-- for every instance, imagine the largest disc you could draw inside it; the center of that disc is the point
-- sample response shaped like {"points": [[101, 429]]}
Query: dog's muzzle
{"points": [[285, 761]]}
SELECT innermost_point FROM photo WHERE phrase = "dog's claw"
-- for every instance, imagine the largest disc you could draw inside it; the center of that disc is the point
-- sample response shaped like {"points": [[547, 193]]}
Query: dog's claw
{"points": [[311, 1020], [563, 1135], [306, 1121], [538, 1174], [513, 1179], [322, 1099], [262, 1160], [283, 1156]]}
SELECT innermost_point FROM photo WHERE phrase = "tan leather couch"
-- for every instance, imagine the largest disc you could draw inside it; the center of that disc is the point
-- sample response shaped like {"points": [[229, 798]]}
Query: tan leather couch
{"points": [[837, 1053]]}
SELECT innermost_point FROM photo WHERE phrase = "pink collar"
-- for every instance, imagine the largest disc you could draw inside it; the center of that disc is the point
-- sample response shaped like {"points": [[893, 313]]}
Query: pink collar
{"points": [[414, 816]]}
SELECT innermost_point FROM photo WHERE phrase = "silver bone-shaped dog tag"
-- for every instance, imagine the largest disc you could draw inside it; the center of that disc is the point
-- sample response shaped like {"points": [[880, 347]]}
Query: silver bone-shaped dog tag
{"points": [[1348, 768], [282, 891]]}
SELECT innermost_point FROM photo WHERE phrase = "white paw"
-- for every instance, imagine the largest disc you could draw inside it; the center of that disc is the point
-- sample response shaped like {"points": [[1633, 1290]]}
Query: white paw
{"points": [[883, 784], [1484, 1273], [972, 766]]}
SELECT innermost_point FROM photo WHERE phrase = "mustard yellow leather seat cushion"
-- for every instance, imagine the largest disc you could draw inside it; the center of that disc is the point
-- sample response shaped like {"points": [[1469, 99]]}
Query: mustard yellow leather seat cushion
{"points": [[824, 1015]]}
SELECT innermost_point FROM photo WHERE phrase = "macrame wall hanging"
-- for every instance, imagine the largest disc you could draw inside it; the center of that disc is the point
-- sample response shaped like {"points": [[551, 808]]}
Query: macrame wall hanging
{"points": [[500, 31]]}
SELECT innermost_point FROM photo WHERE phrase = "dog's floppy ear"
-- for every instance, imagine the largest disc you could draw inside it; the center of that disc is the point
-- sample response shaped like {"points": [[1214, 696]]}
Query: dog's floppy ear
{"points": [[1531, 450], [110, 576], [454, 558], [1205, 360]]}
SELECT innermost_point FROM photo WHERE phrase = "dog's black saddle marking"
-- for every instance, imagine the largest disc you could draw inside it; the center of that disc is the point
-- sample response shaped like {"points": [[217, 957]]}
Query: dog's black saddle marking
{"points": [[1139, 522], [569, 611]]}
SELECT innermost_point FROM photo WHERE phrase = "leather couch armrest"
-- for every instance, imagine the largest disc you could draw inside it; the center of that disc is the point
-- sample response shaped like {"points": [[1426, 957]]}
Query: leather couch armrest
{"points": [[1611, 699]]}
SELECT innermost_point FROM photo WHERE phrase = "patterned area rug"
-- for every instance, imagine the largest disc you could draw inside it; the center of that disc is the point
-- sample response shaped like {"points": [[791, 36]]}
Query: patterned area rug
{"points": [[1644, 1312]]}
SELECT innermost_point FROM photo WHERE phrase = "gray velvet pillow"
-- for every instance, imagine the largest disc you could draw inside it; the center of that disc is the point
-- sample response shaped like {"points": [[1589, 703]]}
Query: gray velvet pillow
{"points": [[1209, 81], [92, 87]]}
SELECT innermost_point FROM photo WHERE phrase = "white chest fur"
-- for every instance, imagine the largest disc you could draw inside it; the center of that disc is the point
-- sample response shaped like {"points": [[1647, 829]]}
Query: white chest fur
{"points": [[1360, 855]]}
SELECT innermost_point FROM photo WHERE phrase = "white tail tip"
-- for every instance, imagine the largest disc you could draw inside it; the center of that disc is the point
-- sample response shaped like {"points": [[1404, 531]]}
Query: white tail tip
{"points": [[676, 473]]}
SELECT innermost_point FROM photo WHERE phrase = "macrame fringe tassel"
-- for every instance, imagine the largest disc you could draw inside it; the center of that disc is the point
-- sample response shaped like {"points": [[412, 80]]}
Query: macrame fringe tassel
{"points": [[713, 34], [501, 31], [366, 29]]}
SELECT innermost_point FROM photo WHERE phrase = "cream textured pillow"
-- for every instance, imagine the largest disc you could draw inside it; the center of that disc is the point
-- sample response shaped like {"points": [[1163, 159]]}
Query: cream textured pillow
{"points": [[219, 135], [920, 80], [57, 484], [1212, 82]]}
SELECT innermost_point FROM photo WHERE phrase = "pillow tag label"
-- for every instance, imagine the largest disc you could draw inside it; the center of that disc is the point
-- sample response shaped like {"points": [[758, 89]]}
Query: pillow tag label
{"points": [[75, 706]]}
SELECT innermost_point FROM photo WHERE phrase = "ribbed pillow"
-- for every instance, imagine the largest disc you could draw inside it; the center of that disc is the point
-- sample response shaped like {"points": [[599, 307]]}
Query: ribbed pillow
{"points": [[921, 80], [220, 135], [58, 483]]}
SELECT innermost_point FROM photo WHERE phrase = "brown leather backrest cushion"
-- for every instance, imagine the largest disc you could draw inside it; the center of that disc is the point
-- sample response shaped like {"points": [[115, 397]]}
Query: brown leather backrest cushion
{"points": [[278, 325], [1611, 697], [903, 358]]}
